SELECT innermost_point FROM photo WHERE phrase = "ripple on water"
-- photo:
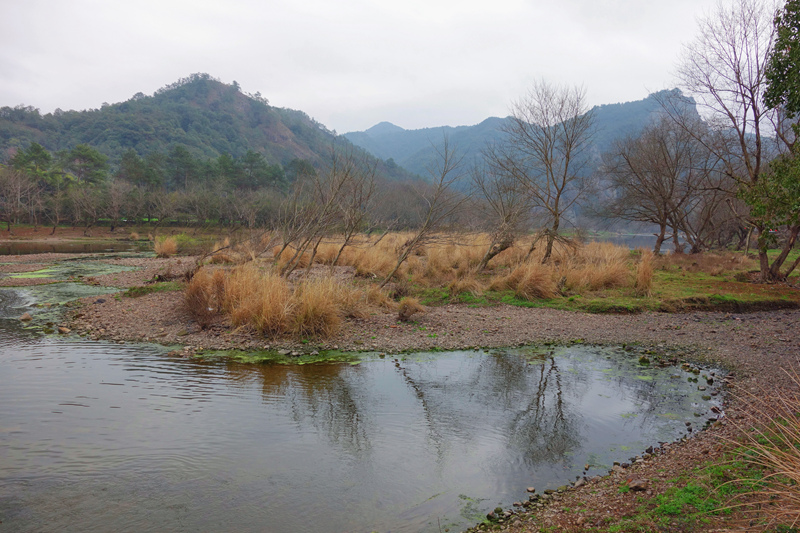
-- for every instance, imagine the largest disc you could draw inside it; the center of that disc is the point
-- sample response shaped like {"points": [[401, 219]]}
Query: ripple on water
{"points": [[97, 436]]}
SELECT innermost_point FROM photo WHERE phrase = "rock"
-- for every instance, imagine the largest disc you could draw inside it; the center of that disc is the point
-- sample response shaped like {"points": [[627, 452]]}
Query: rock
{"points": [[26, 317], [63, 330], [639, 485], [580, 483], [531, 489], [616, 469], [283, 352], [100, 301]]}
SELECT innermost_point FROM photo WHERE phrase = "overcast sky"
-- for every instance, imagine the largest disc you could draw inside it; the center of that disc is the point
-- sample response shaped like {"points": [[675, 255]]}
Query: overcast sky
{"points": [[347, 63]]}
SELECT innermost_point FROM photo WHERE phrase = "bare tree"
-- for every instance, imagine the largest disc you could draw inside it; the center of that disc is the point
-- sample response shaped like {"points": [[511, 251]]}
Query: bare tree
{"points": [[545, 151], [440, 200], [504, 207], [16, 189], [724, 69], [666, 176]]}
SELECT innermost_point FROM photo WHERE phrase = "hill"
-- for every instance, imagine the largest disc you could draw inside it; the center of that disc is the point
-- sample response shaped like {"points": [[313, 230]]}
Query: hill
{"points": [[414, 149], [202, 114]]}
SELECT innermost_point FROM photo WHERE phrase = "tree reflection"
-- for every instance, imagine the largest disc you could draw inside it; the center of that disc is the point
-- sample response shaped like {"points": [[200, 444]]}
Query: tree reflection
{"points": [[329, 397]]}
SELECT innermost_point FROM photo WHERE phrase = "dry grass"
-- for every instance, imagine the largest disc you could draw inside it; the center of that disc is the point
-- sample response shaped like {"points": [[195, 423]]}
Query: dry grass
{"points": [[316, 308], [260, 298], [644, 274], [201, 297], [775, 447], [165, 246], [529, 281], [407, 307], [134, 236]]}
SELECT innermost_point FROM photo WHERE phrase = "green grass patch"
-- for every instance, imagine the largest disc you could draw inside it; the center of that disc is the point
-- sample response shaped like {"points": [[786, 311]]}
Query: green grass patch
{"points": [[164, 286]]}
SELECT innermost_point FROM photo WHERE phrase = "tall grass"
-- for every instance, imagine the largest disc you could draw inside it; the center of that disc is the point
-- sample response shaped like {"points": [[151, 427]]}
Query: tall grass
{"points": [[260, 298], [644, 274], [165, 246], [775, 447]]}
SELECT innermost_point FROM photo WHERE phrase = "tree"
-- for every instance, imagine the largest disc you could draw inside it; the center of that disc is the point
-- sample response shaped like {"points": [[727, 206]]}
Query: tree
{"points": [[545, 152], [725, 70], [16, 189], [666, 176], [502, 204], [85, 163], [783, 69], [440, 201]]}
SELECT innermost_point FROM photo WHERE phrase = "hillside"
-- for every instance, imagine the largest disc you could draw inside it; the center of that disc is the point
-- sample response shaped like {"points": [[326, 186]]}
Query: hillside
{"points": [[414, 149], [206, 116]]}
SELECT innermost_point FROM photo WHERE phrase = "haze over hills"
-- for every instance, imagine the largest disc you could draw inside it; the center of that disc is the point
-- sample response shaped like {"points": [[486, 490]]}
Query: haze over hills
{"points": [[414, 150]]}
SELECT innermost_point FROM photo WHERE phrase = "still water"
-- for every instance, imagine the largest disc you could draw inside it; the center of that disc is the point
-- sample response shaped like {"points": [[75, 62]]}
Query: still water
{"points": [[104, 437]]}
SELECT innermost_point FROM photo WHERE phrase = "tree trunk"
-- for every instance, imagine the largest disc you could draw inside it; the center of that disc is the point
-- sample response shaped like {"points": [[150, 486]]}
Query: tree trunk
{"points": [[660, 240]]}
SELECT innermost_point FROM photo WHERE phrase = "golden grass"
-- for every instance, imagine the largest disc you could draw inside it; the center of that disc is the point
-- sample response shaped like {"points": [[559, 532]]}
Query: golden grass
{"points": [[316, 310], [644, 274], [407, 307], [260, 298], [529, 281], [165, 246], [775, 447], [201, 297]]}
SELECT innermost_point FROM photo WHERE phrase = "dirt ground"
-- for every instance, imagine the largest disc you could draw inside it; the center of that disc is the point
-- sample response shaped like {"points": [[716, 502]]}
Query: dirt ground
{"points": [[757, 347]]}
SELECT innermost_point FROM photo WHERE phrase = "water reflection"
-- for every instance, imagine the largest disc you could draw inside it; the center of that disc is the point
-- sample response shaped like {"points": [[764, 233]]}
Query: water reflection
{"points": [[98, 437]]}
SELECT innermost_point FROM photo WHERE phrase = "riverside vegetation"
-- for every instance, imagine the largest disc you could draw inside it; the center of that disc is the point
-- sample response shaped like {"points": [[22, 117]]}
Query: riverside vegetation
{"points": [[238, 281]]}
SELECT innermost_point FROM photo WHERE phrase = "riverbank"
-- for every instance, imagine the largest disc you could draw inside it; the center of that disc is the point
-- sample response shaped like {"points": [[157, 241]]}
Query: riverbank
{"points": [[756, 346]]}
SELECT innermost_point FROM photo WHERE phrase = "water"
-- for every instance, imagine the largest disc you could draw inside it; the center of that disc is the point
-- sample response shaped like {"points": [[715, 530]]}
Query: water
{"points": [[105, 437], [62, 247]]}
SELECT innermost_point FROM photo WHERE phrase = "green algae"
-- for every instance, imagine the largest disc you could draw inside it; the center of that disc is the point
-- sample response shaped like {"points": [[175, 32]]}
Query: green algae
{"points": [[283, 357]]}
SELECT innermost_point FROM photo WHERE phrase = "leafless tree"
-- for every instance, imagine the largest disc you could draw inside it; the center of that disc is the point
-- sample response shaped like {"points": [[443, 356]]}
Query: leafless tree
{"points": [[16, 189], [724, 70], [666, 176], [503, 206], [440, 200], [545, 152]]}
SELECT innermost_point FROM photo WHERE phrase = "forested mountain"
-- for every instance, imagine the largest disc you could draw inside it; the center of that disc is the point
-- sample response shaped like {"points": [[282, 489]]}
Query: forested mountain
{"points": [[415, 149], [200, 114]]}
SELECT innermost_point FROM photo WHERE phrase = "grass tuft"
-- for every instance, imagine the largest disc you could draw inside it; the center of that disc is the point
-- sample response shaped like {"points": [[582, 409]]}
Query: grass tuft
{"points": [[165, 246]]}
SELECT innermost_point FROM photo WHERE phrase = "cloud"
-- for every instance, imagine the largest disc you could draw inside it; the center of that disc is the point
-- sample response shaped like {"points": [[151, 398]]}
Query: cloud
{"points": [[349, 63]]}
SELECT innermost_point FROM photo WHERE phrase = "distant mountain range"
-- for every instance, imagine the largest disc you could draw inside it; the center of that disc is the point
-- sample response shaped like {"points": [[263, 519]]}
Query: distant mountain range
{"points": [[414, 150], [211, 118]]}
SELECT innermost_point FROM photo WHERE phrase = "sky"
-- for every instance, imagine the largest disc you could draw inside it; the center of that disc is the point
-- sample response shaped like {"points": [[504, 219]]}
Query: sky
{"points": [[349, 64]]}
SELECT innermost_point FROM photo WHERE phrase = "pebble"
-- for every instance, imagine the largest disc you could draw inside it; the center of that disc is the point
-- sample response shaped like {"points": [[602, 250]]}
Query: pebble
{"points": [[26, 317]]}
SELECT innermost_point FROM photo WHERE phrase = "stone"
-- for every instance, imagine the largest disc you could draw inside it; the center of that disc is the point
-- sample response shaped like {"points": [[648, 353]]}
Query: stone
{"points": [[26, 317], [531, 489], [63, 330], [639, 485]]}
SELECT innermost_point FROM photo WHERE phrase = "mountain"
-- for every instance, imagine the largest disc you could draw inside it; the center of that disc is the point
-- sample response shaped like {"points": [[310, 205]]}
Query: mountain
{"points": [[416, 149], [206, 116]]}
